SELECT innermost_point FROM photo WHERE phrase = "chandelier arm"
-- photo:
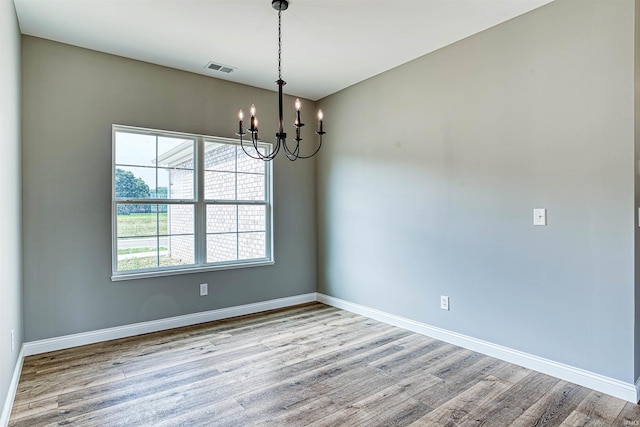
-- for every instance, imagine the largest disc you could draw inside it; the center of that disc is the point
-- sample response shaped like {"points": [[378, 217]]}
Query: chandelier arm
{"points": [[292, 155], [296, 152], [289, 151], [275, 152], [292, 159], [314, 153], [266, 157], [259, 157]]}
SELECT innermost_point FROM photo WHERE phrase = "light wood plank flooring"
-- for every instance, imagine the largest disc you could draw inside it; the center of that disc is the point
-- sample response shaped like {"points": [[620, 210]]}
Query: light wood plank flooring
{"points": [[309, 365]]}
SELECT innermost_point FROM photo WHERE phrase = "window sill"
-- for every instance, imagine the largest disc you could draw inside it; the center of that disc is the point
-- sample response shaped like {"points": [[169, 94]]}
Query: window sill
{"points": [[188, 270]]}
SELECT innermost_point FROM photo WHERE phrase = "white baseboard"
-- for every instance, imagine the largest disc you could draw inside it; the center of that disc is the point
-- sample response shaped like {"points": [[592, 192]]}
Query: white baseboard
{"points": [[613, 387], [68, 341], [13, 389]]}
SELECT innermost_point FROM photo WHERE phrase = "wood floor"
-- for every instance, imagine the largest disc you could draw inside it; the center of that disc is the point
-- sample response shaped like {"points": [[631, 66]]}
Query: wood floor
{"points": [[309, 365]]}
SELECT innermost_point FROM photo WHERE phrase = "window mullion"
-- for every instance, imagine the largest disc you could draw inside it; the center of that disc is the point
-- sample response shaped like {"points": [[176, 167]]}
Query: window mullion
{"points": [[200, 208], [158, 230], [155, 191], [268, 193]]}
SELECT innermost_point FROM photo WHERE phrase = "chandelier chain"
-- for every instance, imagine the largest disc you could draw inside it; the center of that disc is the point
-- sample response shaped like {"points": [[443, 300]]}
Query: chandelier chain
{"points": [[279, 45]]}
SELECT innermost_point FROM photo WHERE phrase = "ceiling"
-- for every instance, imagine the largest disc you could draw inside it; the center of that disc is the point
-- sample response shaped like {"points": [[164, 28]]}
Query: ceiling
{"points": [[327, 44]]}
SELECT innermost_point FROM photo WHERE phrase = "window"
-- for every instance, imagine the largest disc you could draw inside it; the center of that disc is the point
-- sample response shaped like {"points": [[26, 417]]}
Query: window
{"points": [[185, 203]]}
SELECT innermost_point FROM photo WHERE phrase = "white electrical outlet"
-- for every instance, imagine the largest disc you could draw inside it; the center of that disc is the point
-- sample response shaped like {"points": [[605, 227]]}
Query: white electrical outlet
{"points": [[539, 216], [444, 302], [204, 289], [13, 340]]}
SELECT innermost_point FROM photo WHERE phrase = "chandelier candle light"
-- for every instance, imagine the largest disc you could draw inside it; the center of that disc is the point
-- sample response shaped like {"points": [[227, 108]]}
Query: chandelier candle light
{"points": [[281, 136]]}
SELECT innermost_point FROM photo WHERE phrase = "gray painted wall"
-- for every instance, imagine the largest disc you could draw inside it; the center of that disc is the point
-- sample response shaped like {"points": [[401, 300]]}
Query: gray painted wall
{"points": [[71, 98], [10, 223], [431, 171]]}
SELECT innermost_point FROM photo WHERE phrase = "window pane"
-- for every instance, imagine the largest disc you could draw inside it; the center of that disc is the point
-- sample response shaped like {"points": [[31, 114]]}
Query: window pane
{"points": [[181, 251], [179, 219], [248, 164], [150, 236], [161, 217], [180, 226], [154, 167], [250, 187], [175, 183], [222, 247], [136, 220], [221, 219], [250, 153], [175, 168], [134, 182], [219, 157], [251, 245], [175, 152], [251, 218], [219, 186], [135, 149], [137, 253]]}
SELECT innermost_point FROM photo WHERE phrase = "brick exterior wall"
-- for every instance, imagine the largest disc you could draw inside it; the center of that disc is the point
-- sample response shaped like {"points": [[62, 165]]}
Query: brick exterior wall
{"points": [[234, 232], [180, 218], [181, 240]]}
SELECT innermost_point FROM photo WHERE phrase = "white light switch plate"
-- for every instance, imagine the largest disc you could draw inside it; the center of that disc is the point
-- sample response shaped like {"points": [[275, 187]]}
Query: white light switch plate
{"points": [[540, 216]]}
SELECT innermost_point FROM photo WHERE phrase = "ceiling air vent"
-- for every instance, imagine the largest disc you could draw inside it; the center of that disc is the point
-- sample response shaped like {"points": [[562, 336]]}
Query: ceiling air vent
{"points": [[219, 67]]}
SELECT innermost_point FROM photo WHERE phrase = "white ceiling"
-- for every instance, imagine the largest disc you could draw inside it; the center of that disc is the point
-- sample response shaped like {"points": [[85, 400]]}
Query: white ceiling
{"points": [[327, 44]]}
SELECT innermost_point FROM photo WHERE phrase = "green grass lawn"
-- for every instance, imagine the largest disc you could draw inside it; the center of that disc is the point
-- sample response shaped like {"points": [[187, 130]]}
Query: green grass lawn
{"points": [[147, 262], [144, 224], [126, 251]]}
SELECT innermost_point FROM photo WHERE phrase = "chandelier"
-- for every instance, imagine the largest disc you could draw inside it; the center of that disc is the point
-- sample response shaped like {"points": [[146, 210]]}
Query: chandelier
{"points": [[281, 137]]}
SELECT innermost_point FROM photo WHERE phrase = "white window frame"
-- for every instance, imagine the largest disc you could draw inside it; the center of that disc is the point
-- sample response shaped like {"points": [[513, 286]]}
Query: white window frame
{"points": [[200, 204]]}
